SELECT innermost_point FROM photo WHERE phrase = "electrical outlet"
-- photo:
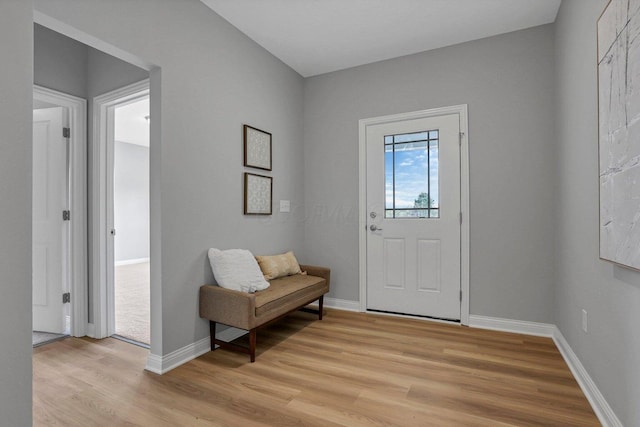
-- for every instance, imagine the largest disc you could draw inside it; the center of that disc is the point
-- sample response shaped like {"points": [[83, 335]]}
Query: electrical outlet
{"points": [[584, 320]]}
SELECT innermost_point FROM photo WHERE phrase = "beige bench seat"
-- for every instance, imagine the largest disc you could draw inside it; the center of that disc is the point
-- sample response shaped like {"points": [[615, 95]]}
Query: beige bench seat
{"points": [[249, 311]]}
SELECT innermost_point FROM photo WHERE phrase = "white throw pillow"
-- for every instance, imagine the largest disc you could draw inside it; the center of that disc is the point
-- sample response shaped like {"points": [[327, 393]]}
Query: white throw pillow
{"points": [[237, 269]]}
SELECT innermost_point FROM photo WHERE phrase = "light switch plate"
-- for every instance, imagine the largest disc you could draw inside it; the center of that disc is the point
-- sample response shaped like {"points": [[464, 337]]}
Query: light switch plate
{"points": [[285, 206]]}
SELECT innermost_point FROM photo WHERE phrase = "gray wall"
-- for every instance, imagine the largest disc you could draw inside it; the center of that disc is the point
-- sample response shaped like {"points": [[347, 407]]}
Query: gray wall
{"points": [[16, 47], [507, 81], [59, 62], [207, 80], [106, 73], [131, 201], [66, 65], [611, 295]]}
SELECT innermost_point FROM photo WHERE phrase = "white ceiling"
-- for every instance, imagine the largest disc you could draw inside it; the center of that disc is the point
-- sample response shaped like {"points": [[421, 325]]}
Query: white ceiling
{"points": [[318, 36]]}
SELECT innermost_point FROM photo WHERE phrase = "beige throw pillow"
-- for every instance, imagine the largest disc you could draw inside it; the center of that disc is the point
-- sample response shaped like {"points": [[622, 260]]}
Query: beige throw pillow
{"points": [[275, 266]]}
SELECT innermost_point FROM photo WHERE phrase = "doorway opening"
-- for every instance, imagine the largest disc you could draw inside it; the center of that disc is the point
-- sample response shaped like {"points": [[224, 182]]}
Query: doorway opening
{"points": [[100, 67], [128, 217]]}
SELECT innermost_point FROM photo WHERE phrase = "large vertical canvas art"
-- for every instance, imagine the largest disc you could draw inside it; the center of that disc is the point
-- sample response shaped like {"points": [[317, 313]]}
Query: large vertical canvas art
{"points": [[619, 132]]}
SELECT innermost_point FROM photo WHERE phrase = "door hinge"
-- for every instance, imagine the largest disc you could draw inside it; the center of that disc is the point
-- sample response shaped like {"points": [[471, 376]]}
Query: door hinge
{"points": [[66, 132], [460, 218], [66, 297], [460, 295], [66, 215], [461, 135]]}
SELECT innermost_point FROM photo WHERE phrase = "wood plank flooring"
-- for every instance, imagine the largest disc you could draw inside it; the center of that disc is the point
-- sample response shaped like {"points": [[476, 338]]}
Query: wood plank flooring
{"points": [[350, 369]]}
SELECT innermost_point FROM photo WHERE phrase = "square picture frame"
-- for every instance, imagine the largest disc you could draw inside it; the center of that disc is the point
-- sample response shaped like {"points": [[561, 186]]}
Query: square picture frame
{"points": [[257, 148], [258, 194]]}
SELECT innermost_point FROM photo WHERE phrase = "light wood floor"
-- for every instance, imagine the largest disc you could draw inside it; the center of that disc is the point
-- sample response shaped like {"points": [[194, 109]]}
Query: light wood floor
{"points": [[350, 369]]}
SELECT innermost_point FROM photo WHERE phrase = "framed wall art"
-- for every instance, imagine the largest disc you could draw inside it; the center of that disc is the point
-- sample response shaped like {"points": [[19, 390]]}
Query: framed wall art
{"points": [[258, 190], [257, 148], [619, 132]]}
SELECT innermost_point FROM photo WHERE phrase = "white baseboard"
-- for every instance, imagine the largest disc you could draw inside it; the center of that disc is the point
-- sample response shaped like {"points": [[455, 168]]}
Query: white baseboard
{"points": [[602, 409], [342, 304], [339, 304], [90, 329], [230, 334], [509, 325], [154, 364], [131, 261], [599, 404], [163, 364]]}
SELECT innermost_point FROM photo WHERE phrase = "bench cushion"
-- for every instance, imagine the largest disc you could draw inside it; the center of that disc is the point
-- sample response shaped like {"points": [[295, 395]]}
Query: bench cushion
{"points": [[289, 291]]}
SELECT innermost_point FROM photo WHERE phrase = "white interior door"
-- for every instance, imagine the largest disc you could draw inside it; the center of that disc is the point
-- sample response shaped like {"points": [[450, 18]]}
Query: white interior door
{"points": [[413, 214], [50, 231]]}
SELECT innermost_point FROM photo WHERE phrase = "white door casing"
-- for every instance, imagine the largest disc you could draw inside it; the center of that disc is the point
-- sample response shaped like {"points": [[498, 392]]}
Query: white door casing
{"points": [[50, 273], [103, 231], [416, 266]]}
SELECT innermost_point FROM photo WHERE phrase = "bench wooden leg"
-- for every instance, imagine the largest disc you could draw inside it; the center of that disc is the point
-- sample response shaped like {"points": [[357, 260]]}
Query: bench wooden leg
{"points": [[252, 344], [212, 331], [251, 351]]}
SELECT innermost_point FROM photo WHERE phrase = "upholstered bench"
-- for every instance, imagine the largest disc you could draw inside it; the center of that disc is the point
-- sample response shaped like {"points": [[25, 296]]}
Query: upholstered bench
{"points": [[250, 311]]}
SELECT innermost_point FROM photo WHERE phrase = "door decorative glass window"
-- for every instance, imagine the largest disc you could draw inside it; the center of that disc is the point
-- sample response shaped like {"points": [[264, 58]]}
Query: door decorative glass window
{"points": [[411, 175]]}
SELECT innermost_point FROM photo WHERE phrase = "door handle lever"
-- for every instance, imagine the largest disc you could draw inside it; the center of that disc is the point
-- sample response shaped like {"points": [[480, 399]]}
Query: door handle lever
{"points": [[373, 227]]}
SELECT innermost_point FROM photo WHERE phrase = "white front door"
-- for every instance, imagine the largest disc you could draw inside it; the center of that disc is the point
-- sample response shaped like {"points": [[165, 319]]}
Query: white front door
{"points": [[413, 216], [50, 232]]}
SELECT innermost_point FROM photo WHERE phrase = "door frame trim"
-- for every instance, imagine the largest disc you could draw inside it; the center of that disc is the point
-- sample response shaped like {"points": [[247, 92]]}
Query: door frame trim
{"points": [[102, 203], [78, 286], [462, 112]]}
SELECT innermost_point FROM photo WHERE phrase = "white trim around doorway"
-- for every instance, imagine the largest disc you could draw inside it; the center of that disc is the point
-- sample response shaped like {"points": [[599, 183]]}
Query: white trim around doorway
{"points": [[461, 111], [102, 203], [78, 286]]}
